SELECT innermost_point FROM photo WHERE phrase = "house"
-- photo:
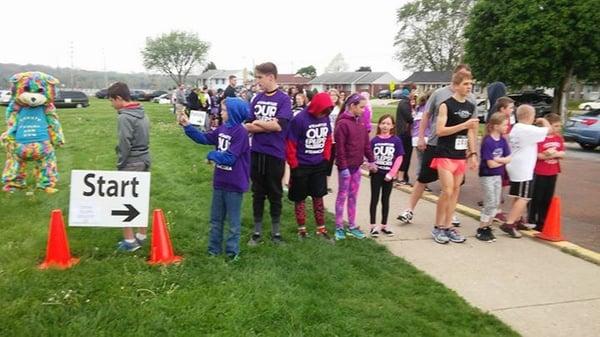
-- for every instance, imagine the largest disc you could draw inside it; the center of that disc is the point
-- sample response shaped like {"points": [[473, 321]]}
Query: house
{"points": [[219, 79], [429, 80], [371, 82], [293, 80]]}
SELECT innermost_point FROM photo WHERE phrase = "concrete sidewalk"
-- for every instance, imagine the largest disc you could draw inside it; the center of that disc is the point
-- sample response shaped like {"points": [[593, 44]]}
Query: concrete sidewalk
{"points": [[534, 288]]}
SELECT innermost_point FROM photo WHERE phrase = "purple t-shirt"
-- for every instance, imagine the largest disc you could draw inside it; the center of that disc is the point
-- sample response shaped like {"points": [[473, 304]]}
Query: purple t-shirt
{"points": [[386, 150], [266, 107], [491, 148], [235, 140], [310, 135]]}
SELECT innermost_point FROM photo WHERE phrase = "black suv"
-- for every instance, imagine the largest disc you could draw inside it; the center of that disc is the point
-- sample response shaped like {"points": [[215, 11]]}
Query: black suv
{"points": [[539, 100], [71, 99], [102, 93]]}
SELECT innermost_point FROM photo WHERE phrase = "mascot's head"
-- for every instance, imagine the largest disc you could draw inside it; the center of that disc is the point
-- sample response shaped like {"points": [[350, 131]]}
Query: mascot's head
{"points": [[33, 88]]}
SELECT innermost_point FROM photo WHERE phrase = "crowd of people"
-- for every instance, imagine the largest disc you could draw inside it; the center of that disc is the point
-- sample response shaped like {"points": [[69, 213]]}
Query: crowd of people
{"points": [[258, 136]]}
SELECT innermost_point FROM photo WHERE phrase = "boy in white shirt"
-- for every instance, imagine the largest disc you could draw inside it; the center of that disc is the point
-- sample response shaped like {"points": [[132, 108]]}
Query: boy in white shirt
{"points": [[523, 139]]}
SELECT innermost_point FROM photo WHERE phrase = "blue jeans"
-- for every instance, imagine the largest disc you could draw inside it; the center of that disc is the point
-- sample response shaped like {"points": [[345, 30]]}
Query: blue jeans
{"points": [[225, 204]]}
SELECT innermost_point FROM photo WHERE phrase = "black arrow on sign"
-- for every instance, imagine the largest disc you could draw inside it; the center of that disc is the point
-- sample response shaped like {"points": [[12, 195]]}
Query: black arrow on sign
{"points": [[131, 213]]}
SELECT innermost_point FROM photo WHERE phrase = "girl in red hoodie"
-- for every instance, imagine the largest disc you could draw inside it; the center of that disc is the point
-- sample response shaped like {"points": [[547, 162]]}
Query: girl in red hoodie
{"points": [[352, 146]]}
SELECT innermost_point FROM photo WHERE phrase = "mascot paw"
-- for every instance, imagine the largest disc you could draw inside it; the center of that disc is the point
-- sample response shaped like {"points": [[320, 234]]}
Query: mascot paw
{"points": [[8, 189], [50, 190]]}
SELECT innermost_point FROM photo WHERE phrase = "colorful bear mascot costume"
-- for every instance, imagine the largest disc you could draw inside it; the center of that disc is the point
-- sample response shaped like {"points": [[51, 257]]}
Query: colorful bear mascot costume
{"points": [[33, 132]]}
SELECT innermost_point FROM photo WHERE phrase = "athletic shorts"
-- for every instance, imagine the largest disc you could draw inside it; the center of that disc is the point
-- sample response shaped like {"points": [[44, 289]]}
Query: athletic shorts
{"points": [[427, 174], [308, 181], [521, 189], [455, 166]]}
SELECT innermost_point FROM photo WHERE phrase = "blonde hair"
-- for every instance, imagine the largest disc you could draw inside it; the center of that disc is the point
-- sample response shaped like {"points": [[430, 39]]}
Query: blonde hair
{"points": [[524, 111], [497, 118]]}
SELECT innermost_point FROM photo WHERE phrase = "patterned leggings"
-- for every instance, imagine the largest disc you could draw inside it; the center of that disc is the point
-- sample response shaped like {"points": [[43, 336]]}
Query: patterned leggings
{"points": [[45, 171], [347, 190], [318, 208]]}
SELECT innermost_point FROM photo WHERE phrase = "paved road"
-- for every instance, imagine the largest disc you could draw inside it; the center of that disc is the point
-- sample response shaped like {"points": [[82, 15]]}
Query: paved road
{"points": [[578, 186], [533, 287]]}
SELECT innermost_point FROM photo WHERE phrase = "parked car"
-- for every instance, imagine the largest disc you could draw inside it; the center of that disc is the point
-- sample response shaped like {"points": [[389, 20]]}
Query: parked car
{"points": [[5, 96], [137, 95], [539, 100], [162, 99], [71, 99], [102, 93], [397, 94], [383, 94], [482, 110], [590, 105], [153, 94], [584, 129]]}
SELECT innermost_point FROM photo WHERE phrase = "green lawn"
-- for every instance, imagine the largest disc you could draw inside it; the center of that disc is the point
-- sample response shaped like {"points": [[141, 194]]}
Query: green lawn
{"points": [[301, 289], [379, 111]]}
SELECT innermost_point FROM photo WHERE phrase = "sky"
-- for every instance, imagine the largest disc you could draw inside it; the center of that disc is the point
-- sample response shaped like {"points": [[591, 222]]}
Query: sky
{"points": [[110, 34]]}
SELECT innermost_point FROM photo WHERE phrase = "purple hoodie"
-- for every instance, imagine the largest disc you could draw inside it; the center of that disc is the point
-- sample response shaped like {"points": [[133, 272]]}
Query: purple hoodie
{"points": [[351, 142]]}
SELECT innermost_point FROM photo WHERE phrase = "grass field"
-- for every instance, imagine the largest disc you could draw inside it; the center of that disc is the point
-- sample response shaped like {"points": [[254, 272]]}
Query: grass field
{"points": [[300, 289]]}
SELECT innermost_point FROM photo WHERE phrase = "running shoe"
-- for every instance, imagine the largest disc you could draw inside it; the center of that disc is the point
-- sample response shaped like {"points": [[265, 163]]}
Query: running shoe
{"points": [[255, 240], [385, 230], [125, 246], [455, 236], [439, 235], [455, 221], [340, 234], [406, 216], [511, 230], [374, 232], [356, 233]]}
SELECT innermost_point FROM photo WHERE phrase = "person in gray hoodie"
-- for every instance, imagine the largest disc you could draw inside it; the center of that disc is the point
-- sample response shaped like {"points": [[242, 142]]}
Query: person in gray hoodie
{"points": [[133, 152]]}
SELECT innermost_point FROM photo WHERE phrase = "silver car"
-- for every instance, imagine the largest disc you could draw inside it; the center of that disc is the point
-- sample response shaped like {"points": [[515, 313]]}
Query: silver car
{"points": [[584, 129]]}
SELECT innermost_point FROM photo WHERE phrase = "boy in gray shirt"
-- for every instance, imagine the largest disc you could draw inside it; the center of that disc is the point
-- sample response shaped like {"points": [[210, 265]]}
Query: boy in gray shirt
{"points": [[133, 153]]}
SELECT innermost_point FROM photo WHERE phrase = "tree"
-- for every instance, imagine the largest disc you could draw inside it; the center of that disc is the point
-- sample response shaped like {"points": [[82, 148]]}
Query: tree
{"points": [[337, 64], [534, 42], [431, 33], [308, 72], [210, 66], [175, 54], [364, 68]]}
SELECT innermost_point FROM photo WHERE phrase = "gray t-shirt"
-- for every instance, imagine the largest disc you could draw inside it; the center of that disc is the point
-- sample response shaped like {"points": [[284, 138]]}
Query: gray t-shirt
{"points": [[438, 97]]}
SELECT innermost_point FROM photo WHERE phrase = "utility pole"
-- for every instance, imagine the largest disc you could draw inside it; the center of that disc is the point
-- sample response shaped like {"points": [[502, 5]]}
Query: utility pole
{"points": [[71, 51], [104, 68]]}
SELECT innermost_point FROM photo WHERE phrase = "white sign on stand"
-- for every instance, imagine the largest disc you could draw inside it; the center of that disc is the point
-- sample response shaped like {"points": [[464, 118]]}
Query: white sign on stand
{"points": [[109, 199], [197, 117]]}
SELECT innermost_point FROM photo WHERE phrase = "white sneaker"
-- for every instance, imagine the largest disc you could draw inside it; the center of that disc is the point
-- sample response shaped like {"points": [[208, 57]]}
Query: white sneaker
{"points": [[455, 221], [406, 216]]}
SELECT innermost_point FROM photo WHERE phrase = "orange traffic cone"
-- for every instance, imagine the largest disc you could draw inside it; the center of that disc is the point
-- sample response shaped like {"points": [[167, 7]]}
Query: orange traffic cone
{"points": [[161, 249], [551, 231], [58, 253]]}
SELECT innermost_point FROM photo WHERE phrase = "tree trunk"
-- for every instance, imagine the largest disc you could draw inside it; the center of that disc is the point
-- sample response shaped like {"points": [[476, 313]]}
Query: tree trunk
{"points": [[559, 104]]}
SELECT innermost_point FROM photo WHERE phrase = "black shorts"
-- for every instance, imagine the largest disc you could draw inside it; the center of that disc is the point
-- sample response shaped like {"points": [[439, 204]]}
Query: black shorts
{"points": [[427, 174], [308, 181], [521, 189]]}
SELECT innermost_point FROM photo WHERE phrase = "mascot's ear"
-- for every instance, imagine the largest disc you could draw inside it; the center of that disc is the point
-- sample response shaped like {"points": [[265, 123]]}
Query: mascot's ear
{"points": [[51, 80], [17, 77]]}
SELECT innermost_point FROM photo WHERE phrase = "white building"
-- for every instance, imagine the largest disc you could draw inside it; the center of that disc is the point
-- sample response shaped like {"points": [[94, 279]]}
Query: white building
{"points": [[219, 79]]}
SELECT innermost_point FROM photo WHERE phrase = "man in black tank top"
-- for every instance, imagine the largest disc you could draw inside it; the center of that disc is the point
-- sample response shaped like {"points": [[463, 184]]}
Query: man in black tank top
{"points": [[456, 130]]}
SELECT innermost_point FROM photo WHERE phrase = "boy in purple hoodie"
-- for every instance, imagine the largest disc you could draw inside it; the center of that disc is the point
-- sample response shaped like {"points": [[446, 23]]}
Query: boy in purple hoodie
{"points": [[308, 152], [232, 173]]}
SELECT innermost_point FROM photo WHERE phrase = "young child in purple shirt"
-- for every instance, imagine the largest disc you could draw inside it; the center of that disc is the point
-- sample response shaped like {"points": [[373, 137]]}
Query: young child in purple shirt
{"points": [[388, 151], [232, 173], [495, 154]]}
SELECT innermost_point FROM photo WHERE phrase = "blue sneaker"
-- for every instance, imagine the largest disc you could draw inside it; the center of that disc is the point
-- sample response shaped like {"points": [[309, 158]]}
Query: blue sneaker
{"points": [[439, 235], [125, 246], [454, 236], [356, 232], [340, 234]]}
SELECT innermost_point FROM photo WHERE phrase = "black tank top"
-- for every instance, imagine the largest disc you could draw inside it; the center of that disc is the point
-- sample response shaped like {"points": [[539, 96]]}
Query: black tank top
{"points": [[455, 146]]}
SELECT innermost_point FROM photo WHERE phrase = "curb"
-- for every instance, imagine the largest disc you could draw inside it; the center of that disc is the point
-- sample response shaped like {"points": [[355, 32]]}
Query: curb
{"points": [[565, 246]]}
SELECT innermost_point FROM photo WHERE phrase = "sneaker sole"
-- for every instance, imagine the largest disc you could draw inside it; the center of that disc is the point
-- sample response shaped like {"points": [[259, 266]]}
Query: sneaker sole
{"points": [[440, 241], [405, 220], [354, 236]]}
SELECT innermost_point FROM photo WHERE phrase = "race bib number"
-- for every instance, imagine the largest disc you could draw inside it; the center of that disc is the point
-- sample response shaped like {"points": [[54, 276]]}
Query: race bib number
{"points": [[461, 143]]}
